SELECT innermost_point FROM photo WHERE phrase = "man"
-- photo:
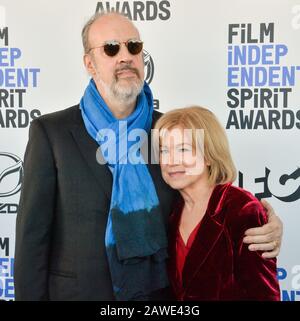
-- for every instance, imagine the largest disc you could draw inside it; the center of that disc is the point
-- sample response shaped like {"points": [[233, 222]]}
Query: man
{"points": [[74, 240]]}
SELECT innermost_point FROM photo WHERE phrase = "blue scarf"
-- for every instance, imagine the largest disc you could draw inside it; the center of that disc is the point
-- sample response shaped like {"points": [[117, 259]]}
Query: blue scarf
{"points": [[135, 239]]}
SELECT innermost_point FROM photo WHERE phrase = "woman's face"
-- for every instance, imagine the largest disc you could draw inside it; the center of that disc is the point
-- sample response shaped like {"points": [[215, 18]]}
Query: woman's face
{"points": [[181, 163]]}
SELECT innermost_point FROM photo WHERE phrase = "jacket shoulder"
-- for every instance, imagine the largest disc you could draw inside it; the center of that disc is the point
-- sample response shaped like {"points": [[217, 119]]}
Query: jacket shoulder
{"points": [[72, 114], [155, 117], [244, 210], [240, 195], [61, 117]]}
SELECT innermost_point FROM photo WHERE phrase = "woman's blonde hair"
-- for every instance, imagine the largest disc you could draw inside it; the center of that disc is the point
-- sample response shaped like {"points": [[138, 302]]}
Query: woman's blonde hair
{"points": [[216, 148]]}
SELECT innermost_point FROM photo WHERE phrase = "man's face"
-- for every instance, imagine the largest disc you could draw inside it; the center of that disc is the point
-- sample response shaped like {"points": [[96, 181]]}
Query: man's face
{"points": [[119, 77]]}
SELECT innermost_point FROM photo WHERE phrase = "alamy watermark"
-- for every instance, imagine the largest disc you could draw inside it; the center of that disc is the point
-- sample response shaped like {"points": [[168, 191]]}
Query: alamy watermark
{"points": [[136, 146]]}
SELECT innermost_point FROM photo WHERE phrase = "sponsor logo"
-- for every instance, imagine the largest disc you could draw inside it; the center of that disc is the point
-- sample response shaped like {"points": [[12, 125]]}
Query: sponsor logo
{"points": [[285, 187], [11, 174], [149, 67]]}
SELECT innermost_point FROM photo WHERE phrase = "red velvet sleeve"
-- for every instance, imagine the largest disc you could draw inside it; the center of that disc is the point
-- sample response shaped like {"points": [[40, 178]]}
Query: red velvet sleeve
{"points": [[256, 277]]}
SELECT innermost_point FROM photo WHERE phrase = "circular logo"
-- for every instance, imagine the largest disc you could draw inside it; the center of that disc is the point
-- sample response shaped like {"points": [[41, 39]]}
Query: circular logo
{"points": [[11, 174], [149, 67]]}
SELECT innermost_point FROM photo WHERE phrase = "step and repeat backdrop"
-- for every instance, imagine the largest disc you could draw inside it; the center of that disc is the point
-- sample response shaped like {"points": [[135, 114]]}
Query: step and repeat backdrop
{"points": [[241, 59]]}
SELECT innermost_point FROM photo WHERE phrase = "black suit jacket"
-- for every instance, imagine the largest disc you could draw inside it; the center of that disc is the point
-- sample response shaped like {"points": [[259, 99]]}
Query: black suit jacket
{"points": [[60, 252]]}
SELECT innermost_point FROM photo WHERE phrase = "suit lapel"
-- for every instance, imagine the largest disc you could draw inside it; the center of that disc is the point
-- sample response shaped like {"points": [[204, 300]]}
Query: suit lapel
{"points": [[174, 221], [88, 149], [208, 234]]}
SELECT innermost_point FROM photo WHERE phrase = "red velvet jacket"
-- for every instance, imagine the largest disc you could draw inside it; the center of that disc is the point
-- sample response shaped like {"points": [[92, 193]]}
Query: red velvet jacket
{"points": [[219, 266]]}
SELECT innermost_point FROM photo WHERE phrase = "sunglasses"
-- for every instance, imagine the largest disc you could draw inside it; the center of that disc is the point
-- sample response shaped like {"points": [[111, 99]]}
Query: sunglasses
{"points": [[112, 47]]}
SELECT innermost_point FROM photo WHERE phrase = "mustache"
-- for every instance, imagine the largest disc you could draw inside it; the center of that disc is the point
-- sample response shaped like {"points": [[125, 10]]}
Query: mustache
{"points": [[127, 68]]}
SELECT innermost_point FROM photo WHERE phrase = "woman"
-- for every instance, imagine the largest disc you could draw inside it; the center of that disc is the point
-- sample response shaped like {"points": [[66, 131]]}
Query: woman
{"points": [[208, 260]]}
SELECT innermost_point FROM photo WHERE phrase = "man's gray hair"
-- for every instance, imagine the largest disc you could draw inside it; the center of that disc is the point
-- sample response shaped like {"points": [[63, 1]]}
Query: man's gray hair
{"points": [[87, 26]]}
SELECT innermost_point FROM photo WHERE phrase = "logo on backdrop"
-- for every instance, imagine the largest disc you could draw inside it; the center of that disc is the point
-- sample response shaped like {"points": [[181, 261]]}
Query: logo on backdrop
{"points": [[11, 174], [11, 177], [260, 80], [149, 67], [138, 10], [288, 187], [15, 81], [293, 274], [149, 73], [6, 270]]}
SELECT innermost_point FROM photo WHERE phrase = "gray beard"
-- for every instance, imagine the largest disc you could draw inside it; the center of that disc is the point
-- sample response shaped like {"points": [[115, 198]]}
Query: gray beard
{"points": [[124, 95]]}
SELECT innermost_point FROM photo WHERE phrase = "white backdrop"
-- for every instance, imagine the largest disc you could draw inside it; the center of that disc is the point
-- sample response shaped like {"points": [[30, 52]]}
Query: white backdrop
{"points": [[188, 44]]}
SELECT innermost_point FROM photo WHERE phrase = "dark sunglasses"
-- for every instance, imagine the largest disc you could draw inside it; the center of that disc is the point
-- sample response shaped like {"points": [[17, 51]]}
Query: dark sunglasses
{"points": [[111, 48]]}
